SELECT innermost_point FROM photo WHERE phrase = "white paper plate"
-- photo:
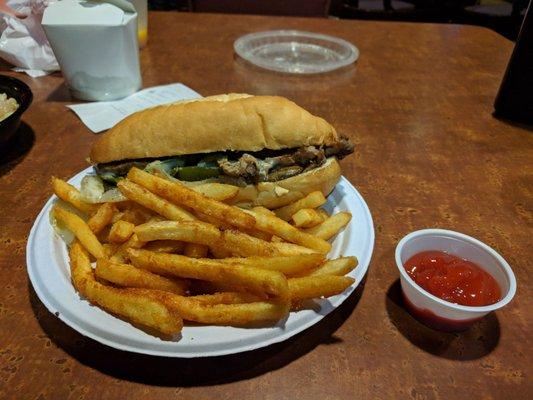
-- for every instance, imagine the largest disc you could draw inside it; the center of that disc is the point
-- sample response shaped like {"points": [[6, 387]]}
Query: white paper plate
{"points": [[49, 272]]}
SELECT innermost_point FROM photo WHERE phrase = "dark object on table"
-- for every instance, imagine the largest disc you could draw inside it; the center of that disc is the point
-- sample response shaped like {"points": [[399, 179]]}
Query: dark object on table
{"points": [[515, 98], [308, 8], [19, 91]]}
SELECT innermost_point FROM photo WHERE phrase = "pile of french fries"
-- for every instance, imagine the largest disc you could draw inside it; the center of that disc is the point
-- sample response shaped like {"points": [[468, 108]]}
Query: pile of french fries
{"points": [[171, 253]]}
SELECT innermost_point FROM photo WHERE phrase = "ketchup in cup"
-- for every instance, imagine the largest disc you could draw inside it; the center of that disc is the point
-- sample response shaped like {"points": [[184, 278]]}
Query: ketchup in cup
{"points": [[450, 280], [453, 279]]}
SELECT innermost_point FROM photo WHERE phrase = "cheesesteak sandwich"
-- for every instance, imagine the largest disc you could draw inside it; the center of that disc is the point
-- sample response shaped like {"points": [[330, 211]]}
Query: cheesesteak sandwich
{"points": [[270, 147]]}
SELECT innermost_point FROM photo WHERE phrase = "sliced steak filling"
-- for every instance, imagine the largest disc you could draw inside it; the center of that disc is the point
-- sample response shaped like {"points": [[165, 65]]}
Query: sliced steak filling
{"points": [[244, 168]]}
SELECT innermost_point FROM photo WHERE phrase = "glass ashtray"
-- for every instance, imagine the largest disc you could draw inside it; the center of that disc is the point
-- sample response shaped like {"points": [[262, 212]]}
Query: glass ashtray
{"points": [[295, 52]]}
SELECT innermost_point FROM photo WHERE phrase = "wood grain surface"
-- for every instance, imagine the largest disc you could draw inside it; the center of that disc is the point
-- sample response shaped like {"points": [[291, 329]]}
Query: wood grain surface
{"points": [[418, 105]]}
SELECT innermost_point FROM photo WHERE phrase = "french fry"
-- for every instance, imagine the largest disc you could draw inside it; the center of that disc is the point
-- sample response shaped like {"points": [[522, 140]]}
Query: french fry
{"points": [[323, 213], [330, 227], [80, 229], [102, 217], [224, 226], [141, 309], [195, 250], [312, 200], [121, 231], [128, 276], [340, 266], [222, 314], [287, 265], [153, 202], [187, 231], [309, 287], [134, 215], [270, 199], [165, 246], [227, 298], [70, 194], [306, 218], [219, 252], [118, 215], [242, 245], [290, 249], [284, 230], [230, 242], [133, 243], [110, 249], [217, 191], [262, 210], [180, 194], [254, 279]]}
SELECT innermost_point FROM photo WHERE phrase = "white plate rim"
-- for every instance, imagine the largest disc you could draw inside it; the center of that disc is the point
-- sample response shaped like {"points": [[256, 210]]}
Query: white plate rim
{"points": [[32, 268]]}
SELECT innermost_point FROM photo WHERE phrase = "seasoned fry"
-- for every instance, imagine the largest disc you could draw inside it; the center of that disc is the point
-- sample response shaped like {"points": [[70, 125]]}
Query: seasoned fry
{"points": [[187, 231], [306, 218], [70, 194], [230, 241], [225, 226], [110, 249], [290, 249], [129, 276], [242, 245], [118, 215], [219, 252], [141, 309], [227, 298], [214, 190], [287, 265], [153, 202], [222, 314], [284, 230], [181, 194], [80, 229], [262, 210], [330, 227], [165, 246], [312, 200], [255, 279], [340, 266], [217, 191], [133, 243], [309, 287], [323, 213], [121, 231], [135, 215], [102, 217], [195, 250]]}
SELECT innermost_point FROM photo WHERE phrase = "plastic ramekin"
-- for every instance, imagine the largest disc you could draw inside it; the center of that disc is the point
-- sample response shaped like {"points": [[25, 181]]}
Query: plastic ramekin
{"points": [[438, 313]]}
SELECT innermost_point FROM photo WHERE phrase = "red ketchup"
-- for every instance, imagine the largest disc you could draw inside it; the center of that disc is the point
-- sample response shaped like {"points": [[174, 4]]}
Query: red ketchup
{"points": [[453, 279]]}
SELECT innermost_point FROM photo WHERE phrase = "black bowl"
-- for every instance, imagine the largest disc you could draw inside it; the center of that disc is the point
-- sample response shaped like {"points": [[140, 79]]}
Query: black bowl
{"points": [[21, 92]]}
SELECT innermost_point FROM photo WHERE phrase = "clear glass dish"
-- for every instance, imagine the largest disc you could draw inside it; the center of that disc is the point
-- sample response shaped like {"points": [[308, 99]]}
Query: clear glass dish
{"points": [[295, 52]]}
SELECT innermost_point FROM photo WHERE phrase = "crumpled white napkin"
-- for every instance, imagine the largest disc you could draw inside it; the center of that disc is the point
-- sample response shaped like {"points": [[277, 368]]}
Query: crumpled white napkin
{"points": [[23, 42]]}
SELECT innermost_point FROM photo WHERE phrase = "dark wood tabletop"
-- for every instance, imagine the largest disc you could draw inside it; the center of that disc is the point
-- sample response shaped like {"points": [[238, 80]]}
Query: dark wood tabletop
{"points": [[429, 153]]}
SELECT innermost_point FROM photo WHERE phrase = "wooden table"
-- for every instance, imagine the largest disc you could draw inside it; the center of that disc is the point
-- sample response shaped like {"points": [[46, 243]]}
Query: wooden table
{"points": [[418, 105]]}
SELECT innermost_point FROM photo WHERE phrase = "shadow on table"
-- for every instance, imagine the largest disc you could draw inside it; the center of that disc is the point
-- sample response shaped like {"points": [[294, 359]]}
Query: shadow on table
{"points": [[14, 151], [164, 371], [265, 81], [474, 343], [516, 124], [60, 94]]}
